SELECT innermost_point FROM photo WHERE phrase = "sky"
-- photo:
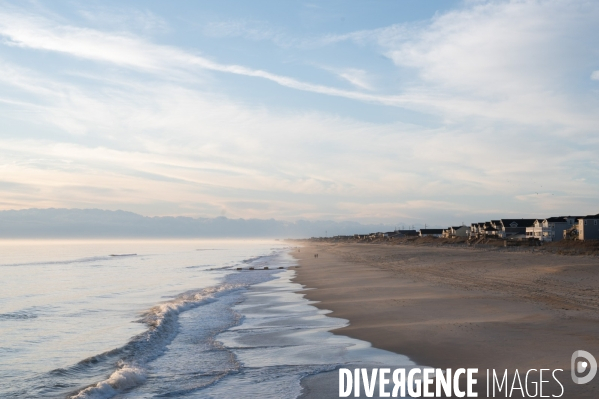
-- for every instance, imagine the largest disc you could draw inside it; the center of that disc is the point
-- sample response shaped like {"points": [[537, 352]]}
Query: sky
{"points": [[408, 112]]}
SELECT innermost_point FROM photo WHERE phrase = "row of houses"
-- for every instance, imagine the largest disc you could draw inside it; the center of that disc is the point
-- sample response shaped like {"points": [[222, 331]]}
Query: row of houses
{"points": [[548, 229], [390, 234]]}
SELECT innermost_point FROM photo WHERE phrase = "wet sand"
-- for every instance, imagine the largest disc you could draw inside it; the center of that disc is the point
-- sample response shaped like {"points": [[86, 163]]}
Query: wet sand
{"points": [[459, 307]]}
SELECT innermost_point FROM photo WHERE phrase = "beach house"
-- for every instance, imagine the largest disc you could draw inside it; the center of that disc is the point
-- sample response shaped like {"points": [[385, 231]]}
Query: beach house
{"points": [[537, 231], [476, 230], [431, 232], [514, 228], [457, 231], [490, 229], [408, 233], [448, 232], [551, 229], [588, 227]]}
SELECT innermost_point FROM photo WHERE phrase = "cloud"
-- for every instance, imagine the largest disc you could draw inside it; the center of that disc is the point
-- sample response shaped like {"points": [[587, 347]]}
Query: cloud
{"points": [[595, 75], [512, 61], [493, 60], [171, 149], [144, 137], [127, 50], [357, 77]]}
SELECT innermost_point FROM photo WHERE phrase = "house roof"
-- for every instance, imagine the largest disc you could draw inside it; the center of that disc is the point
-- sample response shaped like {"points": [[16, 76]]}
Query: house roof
{"points": [[431, 231], [556, 219], [520, 222], [490, 228], [590, 217]]}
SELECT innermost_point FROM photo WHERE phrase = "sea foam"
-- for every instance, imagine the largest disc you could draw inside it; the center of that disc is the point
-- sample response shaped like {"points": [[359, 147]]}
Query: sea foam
{"points": [[143, 348]]}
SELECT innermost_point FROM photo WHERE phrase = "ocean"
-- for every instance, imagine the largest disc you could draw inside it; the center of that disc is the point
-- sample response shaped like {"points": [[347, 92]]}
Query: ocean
{"points": [[147, 319]]}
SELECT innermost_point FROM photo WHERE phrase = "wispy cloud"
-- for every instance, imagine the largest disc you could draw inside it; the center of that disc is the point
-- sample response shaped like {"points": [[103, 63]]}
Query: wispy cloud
{"points": [[510, 61], [357, 77], [133, 52], [493, 60], [147, 132]]}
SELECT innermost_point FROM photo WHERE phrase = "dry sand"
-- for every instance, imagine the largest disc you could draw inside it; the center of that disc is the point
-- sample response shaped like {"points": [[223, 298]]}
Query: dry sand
{"points": [[453, 307]]}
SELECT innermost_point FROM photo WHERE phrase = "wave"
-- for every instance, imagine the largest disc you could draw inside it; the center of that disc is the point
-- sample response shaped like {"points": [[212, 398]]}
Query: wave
{"points": [[62, 262], [127, 377], [263, 258], [28, 313], [220, 268], [197, 266], [162, 329], [255, 259], [19, 315]]}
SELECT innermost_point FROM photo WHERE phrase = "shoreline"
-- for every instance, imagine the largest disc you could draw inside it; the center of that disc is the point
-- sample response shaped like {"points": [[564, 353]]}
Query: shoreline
{"points": [[452, 307]]}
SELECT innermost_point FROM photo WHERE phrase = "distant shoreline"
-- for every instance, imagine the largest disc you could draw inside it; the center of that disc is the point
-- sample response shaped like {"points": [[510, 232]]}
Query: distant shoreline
{"points": [[453, 307]]}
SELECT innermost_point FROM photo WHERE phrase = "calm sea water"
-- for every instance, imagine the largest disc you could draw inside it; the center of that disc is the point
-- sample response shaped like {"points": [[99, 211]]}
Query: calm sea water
{"points": [[162, 319]]}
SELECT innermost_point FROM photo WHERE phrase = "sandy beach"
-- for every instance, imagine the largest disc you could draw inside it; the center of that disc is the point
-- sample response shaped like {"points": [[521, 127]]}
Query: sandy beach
{"points": [[459, 307]]}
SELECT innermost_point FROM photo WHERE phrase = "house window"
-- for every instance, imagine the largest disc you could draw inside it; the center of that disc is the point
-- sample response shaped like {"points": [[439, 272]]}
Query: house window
{"points": [[595, 223], [585, 222]]}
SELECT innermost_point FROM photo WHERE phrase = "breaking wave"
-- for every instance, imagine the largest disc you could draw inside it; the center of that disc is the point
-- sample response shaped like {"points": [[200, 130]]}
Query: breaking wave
{"points": [[162, 322]]}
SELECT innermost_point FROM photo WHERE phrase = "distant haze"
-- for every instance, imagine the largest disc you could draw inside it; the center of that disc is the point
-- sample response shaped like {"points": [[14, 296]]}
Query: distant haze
{"points": [[96, 223]]}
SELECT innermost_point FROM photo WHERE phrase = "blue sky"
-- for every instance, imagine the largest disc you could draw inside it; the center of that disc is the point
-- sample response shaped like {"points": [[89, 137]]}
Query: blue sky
{"points": [[409, 112]]}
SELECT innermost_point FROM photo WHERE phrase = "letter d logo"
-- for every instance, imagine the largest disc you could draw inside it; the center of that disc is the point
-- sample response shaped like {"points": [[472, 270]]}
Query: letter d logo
{"points": [[582, 365]]}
